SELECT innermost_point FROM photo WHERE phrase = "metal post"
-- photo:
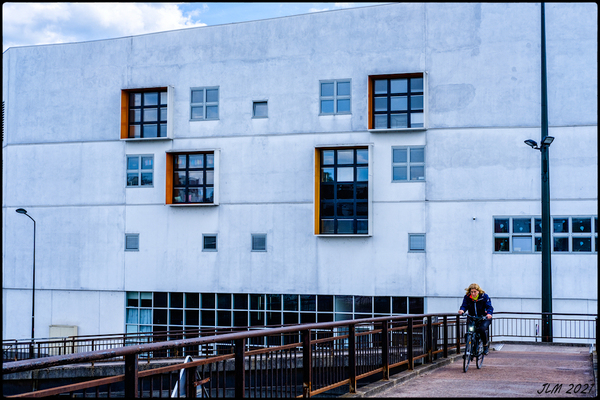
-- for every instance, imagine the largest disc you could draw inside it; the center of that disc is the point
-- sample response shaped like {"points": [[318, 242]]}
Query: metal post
{"points": [[306, 363], [445, 336], [409, 349], [385, 348], [458, 334], [131, 376], [240, 369], [546, 240], [352, 357]]}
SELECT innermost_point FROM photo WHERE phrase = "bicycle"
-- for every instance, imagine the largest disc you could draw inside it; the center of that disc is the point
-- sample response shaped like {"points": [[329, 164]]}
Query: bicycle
{"points": [[473, 344]]}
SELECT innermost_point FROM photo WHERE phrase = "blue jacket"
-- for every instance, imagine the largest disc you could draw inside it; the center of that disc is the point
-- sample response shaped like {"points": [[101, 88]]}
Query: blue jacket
{"points": [[478, 308]]}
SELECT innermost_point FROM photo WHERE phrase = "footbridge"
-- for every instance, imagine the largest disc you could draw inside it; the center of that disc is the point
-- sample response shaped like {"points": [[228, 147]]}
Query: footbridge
{"points": [[388, 356]]}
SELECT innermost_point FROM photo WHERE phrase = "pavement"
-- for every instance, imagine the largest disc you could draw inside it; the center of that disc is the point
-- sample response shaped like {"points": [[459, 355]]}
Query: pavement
{"points": [[510, 370]]}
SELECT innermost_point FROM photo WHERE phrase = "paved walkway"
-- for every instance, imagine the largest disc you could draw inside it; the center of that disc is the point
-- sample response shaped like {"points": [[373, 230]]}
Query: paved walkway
{"points": [[510, 370]]}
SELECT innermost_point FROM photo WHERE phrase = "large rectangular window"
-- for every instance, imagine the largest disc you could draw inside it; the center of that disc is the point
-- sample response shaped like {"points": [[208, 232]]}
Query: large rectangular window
{"points": [[523, 234], [146, 113], [342, 191], [192, 178], [397, 101]]}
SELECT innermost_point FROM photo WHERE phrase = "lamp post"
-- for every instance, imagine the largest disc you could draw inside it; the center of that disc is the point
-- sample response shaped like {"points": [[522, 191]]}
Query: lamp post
{"points": [[24, 212], [543, 148]]}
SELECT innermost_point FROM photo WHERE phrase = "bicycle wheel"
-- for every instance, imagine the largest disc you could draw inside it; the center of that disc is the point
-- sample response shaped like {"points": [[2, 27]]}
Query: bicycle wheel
{"points": [[468, 351], [479, 354]]}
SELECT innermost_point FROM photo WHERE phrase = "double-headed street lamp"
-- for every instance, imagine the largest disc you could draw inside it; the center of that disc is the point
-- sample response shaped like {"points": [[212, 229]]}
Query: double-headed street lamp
{"points": [[24, 212]]}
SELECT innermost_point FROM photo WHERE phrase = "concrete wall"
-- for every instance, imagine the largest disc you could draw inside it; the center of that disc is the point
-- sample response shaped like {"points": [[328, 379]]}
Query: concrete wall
{"points": [[64, 162]]}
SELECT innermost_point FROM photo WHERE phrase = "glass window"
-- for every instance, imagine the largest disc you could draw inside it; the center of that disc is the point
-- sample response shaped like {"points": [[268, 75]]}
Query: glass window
{"points": [[343, 196], [132, 241], [416, 242], [259, 109], [147, 114], [209, 242], [140, 170], [204, 103], [335, 97], [397, 102], [259, 242], [193, 179], [408, 164]]}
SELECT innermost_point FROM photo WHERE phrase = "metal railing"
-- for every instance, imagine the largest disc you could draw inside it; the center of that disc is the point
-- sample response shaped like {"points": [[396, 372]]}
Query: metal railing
{"points": [[291, 361]]}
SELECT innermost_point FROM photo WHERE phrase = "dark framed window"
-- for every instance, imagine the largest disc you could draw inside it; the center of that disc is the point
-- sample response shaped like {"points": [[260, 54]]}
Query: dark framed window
{"points": [[209, 242], [148, 114], [140, 170], [343, 195], [259, 242], [193, 177], [397, 101]]}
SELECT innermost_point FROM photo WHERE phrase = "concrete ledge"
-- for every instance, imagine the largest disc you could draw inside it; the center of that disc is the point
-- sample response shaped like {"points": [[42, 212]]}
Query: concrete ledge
{"points": [[373, 389]]}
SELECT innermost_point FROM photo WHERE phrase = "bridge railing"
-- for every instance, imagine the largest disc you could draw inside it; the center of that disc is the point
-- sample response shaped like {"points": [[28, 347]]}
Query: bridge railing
{"points": [[290, 361]]}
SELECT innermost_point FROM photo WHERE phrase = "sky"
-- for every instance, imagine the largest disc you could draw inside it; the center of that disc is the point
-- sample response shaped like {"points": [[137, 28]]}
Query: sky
{"points": [[26, 24]]}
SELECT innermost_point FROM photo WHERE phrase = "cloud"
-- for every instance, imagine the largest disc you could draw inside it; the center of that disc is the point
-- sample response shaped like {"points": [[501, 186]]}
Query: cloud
{"points": [[44, 23]]}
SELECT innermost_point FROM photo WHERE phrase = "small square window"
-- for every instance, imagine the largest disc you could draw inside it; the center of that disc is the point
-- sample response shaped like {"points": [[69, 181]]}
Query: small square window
{"points": [[259, 242], [416, 242], [140, 170], [132, 242], [408, 164], [209, 242], [259, 109], [204, 103], [335, 97]]}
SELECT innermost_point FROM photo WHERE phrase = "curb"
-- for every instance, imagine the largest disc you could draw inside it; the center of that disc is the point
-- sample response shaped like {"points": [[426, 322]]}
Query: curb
{"points": [[373, 389]]}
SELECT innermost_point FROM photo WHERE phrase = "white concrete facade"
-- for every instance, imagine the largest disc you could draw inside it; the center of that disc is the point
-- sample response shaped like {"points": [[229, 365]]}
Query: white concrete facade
{"points": [[65, 163]]}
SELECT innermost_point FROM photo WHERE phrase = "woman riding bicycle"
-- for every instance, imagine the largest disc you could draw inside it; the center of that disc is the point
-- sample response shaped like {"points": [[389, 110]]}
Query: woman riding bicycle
{"points": [[478, 303]]}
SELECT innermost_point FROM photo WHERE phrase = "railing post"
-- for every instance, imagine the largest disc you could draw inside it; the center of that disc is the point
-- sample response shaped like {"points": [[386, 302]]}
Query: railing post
{"points": [[190, 382], [131, 376], [240, 368], [306, 364], [429, 333], [352, 357], [409, 350], [445, 336], [385, 348], [458, 334]]}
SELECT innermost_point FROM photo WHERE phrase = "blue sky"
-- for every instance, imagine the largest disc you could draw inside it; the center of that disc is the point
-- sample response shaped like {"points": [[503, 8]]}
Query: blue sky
{"points": [[26, 24]]}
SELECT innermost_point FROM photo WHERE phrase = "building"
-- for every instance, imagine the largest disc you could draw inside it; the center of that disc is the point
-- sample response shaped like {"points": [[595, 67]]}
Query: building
{"points": [[318, 167]]}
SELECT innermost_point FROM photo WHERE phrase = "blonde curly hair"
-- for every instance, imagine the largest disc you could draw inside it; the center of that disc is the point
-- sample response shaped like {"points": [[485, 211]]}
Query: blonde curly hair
{"points": [[474, 286]]}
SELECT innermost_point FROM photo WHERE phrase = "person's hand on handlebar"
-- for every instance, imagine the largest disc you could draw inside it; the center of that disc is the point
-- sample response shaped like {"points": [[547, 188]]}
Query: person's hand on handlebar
{"points": [[461, 312], [489, 316]]}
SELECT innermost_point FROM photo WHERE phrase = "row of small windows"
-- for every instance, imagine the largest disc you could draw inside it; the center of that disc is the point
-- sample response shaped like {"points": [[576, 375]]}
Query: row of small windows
{"points": [[524, 234], [163, 311], [416, 242], [395, 102]]}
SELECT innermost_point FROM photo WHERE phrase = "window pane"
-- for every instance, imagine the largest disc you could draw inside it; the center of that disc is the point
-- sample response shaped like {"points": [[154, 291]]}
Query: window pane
{"points": [[180, 162], [501, 244], [150, 115], [223, 300], [132, 316], [343, 105], [522, 243], [197, 96], [151, 99], [195, 195], [561, 225], [398, 121], [208, 300], [178, 195], [135, 116], [345, 174], [417, 242], [223, 318], [163, 98], [326, 106], [147, 162], [240, 301], [362, 174], [582, 244], [416, 102], [381, 104], [134, 131], [362, 191], [345, 226], [273, 302], [582, 225], [381, 305], [417, 173], [399, 305], [416, 120], [325, 303], [416, 84], [210, 242], [132, 179], [208, 318], [380, 121], [197, 112], [417, 155], [145, 316], [212, 95], [381, 86], [290, 302], [399, 155], [196, 160], [400, 174], [345, 156], [345, 209], [561, 244], [363, 304], [343, 88], [362, 156], [192, 300], [147, 179], [150, 131], [308, 302], [196, 178], [176, 317], [327, 89], [500, 225], [345, 191], [212, 112], [163, 114], [191, 317], [522, 225], [209, 194], [538, 225], [135, 100], [327, 226], [343, 304], [398, 86], [132, 299], [327, 174], [257, 302], [328, 157], [399, 103], [260, 109], [179, 179], [416, 305]]}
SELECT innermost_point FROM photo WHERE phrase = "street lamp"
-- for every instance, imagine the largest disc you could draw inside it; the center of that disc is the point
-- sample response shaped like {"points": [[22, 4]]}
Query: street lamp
{"points": [[23, 211]]}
